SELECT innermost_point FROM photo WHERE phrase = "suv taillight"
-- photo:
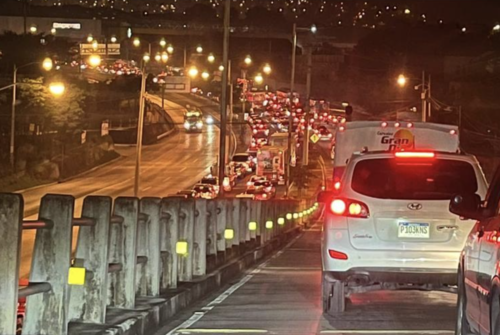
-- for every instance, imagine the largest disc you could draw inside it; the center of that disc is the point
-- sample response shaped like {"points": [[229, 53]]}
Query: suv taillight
{"points": [[349, 208]]}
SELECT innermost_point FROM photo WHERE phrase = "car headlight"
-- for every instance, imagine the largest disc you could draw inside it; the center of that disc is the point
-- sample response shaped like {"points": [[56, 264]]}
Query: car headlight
{"points": [[186, 125], [199, 124], [210, 120]]}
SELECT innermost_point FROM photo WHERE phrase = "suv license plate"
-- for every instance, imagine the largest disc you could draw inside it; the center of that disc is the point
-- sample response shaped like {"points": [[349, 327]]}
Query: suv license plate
{"points": [[413, 230]]}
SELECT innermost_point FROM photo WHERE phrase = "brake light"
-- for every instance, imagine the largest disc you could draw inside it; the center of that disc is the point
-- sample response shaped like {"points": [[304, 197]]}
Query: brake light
{"points": [[337, 185], [337, 254], [410, 125], [453, 132], [341, 128], [338, 206], [397, 124], [405, 154], [349, 208], [384, 124]]}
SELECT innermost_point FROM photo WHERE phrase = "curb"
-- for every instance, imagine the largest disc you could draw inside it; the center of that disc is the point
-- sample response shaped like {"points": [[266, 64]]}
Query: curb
{"points": [[152, 313]]}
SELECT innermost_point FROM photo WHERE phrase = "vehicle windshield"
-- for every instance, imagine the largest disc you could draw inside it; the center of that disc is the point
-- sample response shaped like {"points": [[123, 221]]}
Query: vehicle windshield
{"points": [[211, 181], [202, 189], [241, 158], [433, 179]]}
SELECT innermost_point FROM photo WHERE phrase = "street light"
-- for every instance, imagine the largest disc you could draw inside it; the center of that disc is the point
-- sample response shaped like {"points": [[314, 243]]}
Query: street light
{"points": [[57, 88], [170, 49], [248, 60], [33, 29], [113, 39], [146, 58], [53, 31], [193, 72], [402, 80], [95, 45], [221, 68], [158, 57], [136, 42], [267, 69], [314, 29], [47, 64], [205, 75], [211, 58], [164, 57], [95, 60], [90, 39], [259, 79], [199, 49], [163, 43]]}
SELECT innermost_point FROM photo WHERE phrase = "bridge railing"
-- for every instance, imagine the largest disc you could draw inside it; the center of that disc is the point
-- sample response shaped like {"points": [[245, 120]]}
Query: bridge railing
{"points": [[126, 248]]}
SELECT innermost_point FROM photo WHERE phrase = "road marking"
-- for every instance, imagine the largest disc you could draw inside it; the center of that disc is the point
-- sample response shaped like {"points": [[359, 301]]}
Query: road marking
{"points": [[146, 188], [419, 332], [222, 331], [198, 315]]}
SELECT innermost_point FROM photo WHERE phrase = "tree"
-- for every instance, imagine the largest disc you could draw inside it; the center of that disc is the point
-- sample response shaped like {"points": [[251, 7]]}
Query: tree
{"points": [[64, 112]]}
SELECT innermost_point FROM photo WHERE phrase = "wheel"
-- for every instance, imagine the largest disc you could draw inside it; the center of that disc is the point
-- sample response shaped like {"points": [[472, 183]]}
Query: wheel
{"points": [[333, 296], [462, 325]]}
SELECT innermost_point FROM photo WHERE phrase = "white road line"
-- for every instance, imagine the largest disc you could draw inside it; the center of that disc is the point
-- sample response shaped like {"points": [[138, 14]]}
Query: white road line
{"points": [[198, 315], [402, 332]]}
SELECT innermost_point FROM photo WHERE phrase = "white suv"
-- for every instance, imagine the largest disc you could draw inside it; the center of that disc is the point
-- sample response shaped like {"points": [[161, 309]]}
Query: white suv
{"points": [[388, 226]]}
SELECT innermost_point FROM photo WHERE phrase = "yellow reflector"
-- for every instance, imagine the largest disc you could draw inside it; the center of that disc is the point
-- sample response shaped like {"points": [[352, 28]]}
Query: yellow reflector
{"points": [[289, 216], [281, 221], [269, 224], [301, 215], [181, 248], [295, 215], [252, 226], [76, 276], [229, 234]]}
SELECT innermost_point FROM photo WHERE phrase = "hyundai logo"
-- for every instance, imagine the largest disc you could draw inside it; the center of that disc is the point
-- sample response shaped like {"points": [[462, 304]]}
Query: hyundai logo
{"points": [[414, 206]]}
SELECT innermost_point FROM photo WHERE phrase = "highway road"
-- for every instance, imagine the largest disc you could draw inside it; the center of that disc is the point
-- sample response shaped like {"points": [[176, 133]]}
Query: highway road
{"points": [[173, 164], [283, 296]]}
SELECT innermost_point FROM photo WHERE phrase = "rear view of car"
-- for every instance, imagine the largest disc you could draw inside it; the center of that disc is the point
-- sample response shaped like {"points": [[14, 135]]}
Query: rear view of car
{"points": [[389, 227]]}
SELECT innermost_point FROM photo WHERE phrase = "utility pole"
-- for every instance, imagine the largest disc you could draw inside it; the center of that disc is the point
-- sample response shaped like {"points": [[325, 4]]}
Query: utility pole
{"points": [[290, 122], [140, 129], [424, 101], [429, 108], [223, 104], [305, 156], [13, 118]]}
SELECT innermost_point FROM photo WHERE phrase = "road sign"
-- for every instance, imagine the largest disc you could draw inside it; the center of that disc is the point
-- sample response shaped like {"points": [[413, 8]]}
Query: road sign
{"points": [[314, 138], [99, 49]]}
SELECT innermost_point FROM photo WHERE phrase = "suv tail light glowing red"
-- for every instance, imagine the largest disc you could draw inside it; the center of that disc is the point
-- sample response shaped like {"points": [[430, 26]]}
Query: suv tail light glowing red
{"points": [[349, 208]]}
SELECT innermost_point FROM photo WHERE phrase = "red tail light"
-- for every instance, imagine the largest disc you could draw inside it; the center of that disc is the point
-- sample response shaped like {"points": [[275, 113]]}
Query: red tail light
{"points": [[337, 254], [349, 208]]}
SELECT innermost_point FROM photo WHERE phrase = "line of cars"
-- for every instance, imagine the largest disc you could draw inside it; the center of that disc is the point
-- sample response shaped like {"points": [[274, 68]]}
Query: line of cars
{"points": [[409, 210]]}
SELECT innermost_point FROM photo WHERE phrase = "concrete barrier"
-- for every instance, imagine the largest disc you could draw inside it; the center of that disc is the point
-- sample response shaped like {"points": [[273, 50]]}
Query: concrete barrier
{"points": [[137, 261]]}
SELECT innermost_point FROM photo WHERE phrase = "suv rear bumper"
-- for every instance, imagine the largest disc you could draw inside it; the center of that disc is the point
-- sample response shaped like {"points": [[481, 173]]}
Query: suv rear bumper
{"points": [[368, 276]]}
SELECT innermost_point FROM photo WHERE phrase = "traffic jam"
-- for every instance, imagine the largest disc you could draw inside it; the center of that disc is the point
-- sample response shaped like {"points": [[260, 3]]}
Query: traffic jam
{"points": [[259, 173], [406, 208]]}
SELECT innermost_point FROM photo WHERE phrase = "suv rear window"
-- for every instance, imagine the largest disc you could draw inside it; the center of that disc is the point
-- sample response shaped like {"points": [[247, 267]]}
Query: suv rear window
{"points": [[436, 179], [240, 158]]}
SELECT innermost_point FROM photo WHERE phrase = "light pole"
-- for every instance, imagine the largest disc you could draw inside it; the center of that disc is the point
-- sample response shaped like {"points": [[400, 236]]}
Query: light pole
{"points": [[425, 94], [305, 156], [47, 65], [140, 122], [223, 105], [312, 29]]}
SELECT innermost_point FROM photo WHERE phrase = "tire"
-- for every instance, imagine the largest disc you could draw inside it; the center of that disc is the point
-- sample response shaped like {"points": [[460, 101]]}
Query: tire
{"points": [[462, 324], [333, 296]]}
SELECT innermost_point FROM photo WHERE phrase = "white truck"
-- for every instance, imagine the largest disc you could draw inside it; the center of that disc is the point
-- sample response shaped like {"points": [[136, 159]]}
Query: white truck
{"points": [[363, 136], [271, 164]]}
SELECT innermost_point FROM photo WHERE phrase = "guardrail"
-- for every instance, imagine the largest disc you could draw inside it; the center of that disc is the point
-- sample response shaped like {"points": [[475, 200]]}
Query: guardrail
{"points": [[126, 248]]}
